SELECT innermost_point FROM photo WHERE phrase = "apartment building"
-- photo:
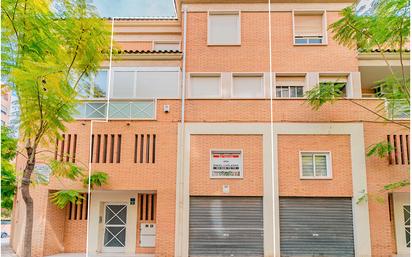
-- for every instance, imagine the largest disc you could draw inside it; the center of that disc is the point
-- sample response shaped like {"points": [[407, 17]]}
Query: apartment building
{"points": [[5, 106], [212, 150]]}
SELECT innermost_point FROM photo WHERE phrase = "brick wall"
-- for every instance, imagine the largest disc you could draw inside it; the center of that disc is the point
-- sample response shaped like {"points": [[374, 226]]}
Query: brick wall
{"points": [[252, 182], [290, 183]]}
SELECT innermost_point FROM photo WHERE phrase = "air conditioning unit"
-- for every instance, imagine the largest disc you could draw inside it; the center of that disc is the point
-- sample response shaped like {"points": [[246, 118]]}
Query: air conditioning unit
{"points": [[147, 234]]}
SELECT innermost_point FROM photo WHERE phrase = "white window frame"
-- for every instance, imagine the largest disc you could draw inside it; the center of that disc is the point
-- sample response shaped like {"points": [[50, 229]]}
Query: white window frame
{"points": [[324, 26], [229, 177], [147, 69], [290, 97], [205, 74], [328, 155], [247, 74], [154, 42], [238, 12]]}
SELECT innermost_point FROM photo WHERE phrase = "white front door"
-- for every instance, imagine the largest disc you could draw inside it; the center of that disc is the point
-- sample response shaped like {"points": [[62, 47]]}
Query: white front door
{"points": [[114, 238], [401, 205]]}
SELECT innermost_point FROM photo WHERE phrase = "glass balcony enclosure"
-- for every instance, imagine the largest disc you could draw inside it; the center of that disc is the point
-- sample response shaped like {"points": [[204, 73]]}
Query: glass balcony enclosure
{"points": [[132, 92]]}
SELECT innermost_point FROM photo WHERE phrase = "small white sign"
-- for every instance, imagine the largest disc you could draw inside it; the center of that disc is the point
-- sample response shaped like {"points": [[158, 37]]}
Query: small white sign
{"points": [[226, 164]]}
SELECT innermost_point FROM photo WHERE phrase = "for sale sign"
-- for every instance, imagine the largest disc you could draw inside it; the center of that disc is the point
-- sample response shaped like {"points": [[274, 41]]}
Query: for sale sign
{"points": [[226, 164]]}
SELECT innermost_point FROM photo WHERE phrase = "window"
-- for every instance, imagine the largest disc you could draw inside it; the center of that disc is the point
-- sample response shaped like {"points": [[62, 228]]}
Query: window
{"points": [[167, 46], [315, 165], [205, 86], [339, 82], [94, 86], [143, 82], [309, 28], [248, 86], [224, 28], [287, 87]]}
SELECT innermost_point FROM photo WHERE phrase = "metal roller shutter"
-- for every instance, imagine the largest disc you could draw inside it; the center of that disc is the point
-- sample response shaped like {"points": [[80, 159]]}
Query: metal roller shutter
{"points": [[316, 226], [226, 226]]}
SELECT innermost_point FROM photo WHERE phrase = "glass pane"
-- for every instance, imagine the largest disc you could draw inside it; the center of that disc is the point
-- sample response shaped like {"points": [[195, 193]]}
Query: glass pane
{"points": [[407, 215], [293, 92], [408, 236], [321, 166], [123, 84], [299, 91], [278, 92], [119, 110], [100, 84], [307, 165], [315, 41], [114, 236], [300, 41], [95, 110], [84, 87], [142, 110], [116, 214]]}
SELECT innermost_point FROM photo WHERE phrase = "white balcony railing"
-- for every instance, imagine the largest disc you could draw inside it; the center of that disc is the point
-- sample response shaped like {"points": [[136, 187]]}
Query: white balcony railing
{"points": [[118, 110]]}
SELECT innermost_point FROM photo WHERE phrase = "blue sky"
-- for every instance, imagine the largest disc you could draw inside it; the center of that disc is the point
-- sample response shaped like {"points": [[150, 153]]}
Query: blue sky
{"points": [[134, 8]]}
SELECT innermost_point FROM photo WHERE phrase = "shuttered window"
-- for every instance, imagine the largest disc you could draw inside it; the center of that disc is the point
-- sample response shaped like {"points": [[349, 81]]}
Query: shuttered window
{"points": [[308, 28], [205, 86], [289, 86], [224, 28], [315, 165], [248, 86]]}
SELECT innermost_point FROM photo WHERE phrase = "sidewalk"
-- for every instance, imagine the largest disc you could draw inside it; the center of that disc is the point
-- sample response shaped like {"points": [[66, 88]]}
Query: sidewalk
{"points": [[6, 250]]}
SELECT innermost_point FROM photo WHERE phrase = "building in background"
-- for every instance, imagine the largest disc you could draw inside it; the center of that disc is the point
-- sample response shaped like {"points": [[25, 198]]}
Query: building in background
{"points": [[199, 161], [5, 105]]}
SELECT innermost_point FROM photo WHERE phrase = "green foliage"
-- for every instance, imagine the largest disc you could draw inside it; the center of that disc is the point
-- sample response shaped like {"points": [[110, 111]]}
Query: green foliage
{"points": [[385, 26], [8, 173], [381, 149], [365, 197], [47, 48], [64, 197], [97, 178], [397, 185], [65, 169], [324, 93]]}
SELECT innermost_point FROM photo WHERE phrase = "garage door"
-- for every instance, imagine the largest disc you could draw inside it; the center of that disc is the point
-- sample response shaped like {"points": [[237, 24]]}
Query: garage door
{"points": [[316, 226], [226, 226]]}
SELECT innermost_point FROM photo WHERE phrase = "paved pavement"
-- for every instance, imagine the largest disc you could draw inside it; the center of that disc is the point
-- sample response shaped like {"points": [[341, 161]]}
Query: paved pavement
{"points": [[101, 255], [6, 250]]}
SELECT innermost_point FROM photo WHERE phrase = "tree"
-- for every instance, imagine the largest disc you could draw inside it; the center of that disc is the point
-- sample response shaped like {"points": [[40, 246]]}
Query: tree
{"points": [[48, 47], [8, 175], [386, 25]]}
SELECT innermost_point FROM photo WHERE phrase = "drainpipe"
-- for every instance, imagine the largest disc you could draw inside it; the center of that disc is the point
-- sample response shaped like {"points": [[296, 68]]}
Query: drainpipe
{"points": [[181, 159], [90, 138]]}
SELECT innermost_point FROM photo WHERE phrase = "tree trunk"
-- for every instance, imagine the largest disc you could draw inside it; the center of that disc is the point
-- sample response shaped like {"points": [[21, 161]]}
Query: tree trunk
{"points": [[28, 200]]}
